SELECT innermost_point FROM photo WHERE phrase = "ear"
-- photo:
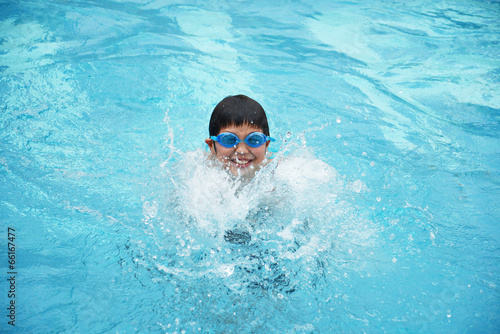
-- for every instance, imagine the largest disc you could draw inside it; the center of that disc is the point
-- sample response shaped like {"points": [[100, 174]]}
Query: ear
{"points": [[211, 145]]}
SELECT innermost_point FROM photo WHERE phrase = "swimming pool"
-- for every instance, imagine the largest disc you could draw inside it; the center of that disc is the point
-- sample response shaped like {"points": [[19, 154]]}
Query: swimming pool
{"points": [[381, 218]]}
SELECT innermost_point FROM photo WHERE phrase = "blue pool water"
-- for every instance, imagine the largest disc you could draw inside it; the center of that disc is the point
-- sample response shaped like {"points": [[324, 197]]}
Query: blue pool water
{"points": [[381, 216]]}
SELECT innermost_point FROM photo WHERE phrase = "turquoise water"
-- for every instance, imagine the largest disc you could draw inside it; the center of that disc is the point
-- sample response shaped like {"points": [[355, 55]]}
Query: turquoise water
{"points": [[378, 214]]}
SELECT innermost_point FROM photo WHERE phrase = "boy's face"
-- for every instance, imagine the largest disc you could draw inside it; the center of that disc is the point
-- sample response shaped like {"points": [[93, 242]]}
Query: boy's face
{"points": [[241, 159]]}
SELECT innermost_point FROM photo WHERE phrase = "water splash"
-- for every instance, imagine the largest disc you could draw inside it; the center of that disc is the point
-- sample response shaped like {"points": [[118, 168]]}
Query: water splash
{"points": [[290, 216]]}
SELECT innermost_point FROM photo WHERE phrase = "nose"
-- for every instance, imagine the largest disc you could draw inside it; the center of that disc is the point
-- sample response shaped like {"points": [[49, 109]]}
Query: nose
{"points": [[242, 148]]}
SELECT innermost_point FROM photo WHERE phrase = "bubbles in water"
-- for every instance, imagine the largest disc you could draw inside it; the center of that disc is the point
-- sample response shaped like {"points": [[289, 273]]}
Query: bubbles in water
{"points": [[150, 209], [358, 186]]}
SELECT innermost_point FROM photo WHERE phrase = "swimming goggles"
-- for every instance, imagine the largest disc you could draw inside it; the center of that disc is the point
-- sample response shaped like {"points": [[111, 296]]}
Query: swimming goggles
{"points": [[228, 139]]}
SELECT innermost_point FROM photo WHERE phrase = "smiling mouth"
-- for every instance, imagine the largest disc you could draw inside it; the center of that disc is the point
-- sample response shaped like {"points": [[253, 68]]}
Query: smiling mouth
{"points": [[241, 163]]}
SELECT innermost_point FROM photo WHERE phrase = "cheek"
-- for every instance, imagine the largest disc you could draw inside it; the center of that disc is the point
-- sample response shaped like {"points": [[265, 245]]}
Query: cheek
{"points": [[259, 154], [223, 152]]}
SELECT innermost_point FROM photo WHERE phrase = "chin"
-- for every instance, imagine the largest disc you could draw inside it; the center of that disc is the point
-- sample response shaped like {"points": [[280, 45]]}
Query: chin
{"points": [[241, 171]]}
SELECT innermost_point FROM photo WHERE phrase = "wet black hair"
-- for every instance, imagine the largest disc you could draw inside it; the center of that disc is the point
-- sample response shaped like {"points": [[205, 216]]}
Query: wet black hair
{"points": [[238, 110]]}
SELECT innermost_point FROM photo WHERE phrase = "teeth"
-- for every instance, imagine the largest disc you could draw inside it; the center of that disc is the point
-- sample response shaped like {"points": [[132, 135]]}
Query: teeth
{"points": [[241, 162]]}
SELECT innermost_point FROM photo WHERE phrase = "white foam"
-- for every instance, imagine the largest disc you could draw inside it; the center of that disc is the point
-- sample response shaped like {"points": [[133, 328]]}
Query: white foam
{"points": [[293, 191], [208, 194]]}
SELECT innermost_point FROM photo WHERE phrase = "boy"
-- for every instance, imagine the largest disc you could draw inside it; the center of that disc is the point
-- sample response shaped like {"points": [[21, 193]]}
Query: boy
{"points": [[239, 134]]}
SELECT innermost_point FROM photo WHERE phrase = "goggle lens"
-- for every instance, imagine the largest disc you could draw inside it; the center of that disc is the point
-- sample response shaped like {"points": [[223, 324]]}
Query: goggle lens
{"points": [[228, 140], [255, 139]]}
